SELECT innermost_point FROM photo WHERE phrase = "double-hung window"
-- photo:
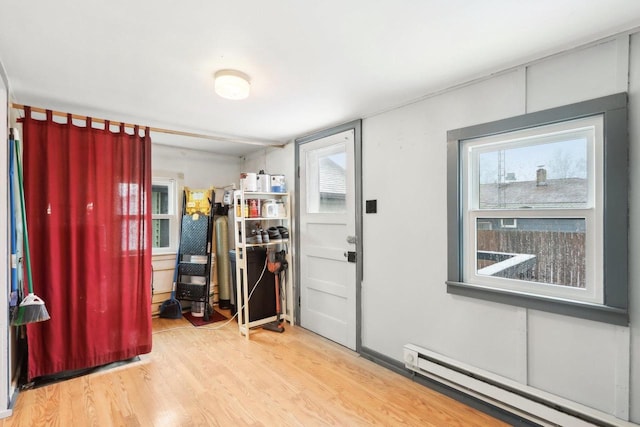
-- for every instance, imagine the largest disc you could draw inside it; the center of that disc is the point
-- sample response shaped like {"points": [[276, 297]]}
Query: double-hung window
{"points": [[537, 209], [164, 217]]}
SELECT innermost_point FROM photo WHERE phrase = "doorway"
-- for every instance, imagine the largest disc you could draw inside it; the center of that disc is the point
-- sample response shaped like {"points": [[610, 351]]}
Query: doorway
{"points": [[329, 212]]}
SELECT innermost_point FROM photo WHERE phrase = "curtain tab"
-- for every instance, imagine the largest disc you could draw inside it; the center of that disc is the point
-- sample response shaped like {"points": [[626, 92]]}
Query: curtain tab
{"points": [[49, 115], [107, 125], [69, 119]]}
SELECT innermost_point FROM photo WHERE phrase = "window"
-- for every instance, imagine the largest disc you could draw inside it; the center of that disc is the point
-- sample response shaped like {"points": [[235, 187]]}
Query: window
{"points": [[508, 223], [554, 175], [327, 179], [131, 202], [531, 198], [164, 217]]}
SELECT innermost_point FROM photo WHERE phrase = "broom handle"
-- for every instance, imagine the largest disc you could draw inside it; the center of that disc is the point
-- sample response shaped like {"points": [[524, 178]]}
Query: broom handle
{"points": [[12, 207], [24, 218]]}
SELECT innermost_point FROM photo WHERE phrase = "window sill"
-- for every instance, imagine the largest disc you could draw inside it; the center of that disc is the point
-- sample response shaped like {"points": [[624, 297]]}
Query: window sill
{"points": [[164, 254], [596, 312]]}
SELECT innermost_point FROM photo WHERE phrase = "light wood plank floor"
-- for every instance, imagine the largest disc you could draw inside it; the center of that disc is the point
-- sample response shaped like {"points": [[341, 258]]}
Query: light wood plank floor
{"points": [[199, 377]]}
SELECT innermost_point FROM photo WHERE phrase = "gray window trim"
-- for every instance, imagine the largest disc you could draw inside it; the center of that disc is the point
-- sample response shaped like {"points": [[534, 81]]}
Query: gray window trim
{"points": [[615, 221]]}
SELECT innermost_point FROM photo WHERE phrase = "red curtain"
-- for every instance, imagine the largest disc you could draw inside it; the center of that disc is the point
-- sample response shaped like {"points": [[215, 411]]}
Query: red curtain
{"points": [[88, 211]]}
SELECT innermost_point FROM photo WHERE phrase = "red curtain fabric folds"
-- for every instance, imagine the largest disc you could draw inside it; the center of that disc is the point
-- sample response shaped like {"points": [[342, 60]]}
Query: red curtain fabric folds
{"points": [[88, 211]]}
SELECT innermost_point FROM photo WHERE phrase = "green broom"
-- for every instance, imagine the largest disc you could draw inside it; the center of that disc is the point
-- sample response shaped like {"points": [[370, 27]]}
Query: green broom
{"points": [[32, 308]]}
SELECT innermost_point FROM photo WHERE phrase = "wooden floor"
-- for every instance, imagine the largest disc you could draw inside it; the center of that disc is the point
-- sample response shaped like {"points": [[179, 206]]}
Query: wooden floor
{"points": [[200, 377]]}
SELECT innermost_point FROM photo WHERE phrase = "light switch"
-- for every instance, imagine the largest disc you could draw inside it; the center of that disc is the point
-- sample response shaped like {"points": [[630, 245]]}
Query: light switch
{"points": [[371, 206]]}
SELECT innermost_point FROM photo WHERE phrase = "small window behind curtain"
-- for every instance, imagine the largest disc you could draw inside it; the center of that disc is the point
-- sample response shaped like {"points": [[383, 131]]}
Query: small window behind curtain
{"points": [[163, 213], [130, 202], [161, 227]]}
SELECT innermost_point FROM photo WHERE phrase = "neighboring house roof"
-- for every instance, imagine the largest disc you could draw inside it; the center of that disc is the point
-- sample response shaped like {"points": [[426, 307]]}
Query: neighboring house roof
{"points": [[332, 177], [560, 193]]}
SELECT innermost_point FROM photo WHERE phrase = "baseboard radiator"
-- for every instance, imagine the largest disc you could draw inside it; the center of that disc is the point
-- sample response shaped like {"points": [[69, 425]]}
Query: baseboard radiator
{"points": [[522, 400]]}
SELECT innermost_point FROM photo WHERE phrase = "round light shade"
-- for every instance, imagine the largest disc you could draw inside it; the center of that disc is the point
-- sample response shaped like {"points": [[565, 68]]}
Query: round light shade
{"points": [[232, 84]]}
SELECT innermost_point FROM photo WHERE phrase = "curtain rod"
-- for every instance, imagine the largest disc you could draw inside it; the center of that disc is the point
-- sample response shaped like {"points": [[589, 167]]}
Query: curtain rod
{"points": [[153, 129]]}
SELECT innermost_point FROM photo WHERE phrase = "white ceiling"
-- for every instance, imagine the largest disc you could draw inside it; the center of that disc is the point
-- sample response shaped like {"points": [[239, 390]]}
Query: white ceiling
{"points": [[313, 63]]}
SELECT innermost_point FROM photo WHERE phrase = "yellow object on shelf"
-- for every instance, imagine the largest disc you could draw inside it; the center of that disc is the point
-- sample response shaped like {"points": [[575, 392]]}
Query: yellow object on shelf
{"points": [[197, 201]]}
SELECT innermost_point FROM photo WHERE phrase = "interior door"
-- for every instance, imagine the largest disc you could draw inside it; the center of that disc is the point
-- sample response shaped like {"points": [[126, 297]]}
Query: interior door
{"points": [[327, 218]]}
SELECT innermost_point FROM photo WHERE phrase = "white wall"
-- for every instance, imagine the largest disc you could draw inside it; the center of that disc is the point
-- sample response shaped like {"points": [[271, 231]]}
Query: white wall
{"points": [[199, 169], [273, 161], [634, 232], [404, 298]]}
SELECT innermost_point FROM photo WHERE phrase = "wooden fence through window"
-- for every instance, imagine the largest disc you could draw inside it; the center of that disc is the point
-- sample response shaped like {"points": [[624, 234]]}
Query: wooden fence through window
{"points": [[560, 256]]}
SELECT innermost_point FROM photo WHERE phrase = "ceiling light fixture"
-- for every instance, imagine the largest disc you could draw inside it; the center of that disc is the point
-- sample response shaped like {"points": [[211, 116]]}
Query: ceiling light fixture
{"points": [[232, 84]]}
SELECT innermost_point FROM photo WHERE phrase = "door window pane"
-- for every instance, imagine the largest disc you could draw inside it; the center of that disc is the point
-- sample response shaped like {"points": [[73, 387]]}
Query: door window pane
{"points": [[327, 179]]}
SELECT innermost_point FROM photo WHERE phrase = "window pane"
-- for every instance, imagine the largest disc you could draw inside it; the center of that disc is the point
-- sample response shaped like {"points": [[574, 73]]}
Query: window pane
{"points": [[160, 199], [327, 180], [547, 175], [161, 233], [130, 202], [544, 250], [132, 238]]}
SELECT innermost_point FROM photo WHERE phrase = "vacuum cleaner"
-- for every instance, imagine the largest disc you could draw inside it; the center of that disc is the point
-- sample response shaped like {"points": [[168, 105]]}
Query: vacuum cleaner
{"points": [[276, 264]]}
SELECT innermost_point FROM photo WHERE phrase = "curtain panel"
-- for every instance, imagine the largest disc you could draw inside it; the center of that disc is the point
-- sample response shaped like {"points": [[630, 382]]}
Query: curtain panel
{"points": [[87, 194]]}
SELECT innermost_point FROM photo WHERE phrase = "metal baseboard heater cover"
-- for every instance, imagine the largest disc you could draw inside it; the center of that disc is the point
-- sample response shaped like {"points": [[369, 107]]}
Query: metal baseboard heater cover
{"points": [[519, 399]]}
